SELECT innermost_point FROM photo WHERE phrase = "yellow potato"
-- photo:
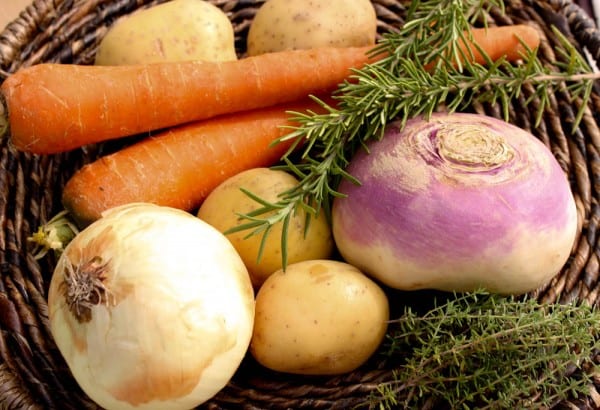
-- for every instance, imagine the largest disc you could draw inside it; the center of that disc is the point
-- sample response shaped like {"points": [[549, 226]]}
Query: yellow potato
{"points": [[222, 207], [178, 30], [300, 24], [319, 317]]}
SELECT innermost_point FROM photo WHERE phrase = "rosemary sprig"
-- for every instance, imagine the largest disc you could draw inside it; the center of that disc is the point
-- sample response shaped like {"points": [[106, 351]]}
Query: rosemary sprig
{"points": [[399, 87], [486, 351]]}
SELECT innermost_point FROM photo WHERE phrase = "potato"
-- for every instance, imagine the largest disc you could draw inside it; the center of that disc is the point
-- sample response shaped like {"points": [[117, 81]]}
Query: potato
{"points": [[298, 24], [178, 30], [319, 317], [222, 207]]}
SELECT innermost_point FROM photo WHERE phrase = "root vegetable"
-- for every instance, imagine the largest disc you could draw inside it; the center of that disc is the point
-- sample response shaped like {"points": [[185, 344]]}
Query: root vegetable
{"points": [[151, 308], [58, 107], [319, 317], [227, 201], [51, 108], [178, 30], [184, 163], [509, 42], [300, 24], [458, 202]]}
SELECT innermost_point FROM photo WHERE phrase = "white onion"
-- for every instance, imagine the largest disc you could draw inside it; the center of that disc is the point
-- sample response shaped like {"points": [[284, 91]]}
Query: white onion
{"points": [[457, 203], [151, 308]]}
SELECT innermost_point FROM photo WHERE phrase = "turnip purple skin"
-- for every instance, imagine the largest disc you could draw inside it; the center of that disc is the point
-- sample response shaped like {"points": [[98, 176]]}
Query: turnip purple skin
{"points": [[458, 202]]}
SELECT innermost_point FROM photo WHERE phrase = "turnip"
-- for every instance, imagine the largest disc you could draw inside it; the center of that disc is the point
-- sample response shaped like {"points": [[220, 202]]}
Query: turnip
{"points": [[457, 203]]}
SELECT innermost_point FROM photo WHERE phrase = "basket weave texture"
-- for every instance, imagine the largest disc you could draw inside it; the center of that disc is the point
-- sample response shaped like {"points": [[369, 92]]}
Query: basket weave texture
{"points": [[32, 372]]}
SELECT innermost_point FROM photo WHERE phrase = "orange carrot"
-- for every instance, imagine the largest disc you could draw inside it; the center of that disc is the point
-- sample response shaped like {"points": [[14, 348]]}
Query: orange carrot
{"points": [[57, 107], [502, 41], [179, 167], [509, 42]]}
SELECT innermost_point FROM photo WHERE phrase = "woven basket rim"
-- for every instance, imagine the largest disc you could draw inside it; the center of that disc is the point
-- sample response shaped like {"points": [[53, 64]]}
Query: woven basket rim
{"points": [[32, 373]]}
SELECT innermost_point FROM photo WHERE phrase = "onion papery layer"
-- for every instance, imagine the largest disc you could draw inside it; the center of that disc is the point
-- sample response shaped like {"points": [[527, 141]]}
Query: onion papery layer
{"points": [[151, 308], [457, 202]]}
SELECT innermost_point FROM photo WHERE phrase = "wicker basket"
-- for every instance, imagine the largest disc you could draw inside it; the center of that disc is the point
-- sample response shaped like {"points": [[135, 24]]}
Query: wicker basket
{"points": [[32, 372]]}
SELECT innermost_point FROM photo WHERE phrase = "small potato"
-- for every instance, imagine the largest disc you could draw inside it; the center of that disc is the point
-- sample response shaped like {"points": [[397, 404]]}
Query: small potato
{"points": [[319, 317], [222, 207], [178, 30], [299, 24]]}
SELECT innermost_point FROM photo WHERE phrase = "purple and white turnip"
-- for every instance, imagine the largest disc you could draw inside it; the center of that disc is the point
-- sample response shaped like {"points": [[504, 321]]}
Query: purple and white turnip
{"points": [[457, 202]]}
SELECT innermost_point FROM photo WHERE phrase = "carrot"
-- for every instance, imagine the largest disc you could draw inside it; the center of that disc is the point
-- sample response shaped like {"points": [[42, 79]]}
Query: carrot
{"points": [[501, 41], [509, 42], [180, 166], [58, 107]]}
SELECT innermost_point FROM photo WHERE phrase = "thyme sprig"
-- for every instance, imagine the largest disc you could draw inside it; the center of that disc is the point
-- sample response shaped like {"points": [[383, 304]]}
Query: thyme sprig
{"points": [[487, 351], [414, 76]]}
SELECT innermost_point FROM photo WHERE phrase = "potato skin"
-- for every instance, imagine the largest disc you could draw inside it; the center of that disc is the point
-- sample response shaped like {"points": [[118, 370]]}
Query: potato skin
{"points": [[299, 24], [178, 30], [224, 203], [319, 317]]}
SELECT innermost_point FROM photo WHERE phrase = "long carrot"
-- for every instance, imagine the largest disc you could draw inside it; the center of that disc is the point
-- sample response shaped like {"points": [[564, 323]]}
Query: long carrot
{"points": [[54, 108], [180, 166], [58, 107]]}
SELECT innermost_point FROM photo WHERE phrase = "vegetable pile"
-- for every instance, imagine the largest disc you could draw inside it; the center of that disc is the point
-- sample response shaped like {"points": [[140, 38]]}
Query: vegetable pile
{"points": [[300, 185]]}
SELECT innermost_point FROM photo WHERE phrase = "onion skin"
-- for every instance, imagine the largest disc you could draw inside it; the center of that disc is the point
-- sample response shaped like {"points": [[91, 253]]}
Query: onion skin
{"points": [[458, 202], [171, 319]]}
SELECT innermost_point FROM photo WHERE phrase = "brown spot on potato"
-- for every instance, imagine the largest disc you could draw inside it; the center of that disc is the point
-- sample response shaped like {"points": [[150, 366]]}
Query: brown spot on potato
{"points": [[320, 273]]}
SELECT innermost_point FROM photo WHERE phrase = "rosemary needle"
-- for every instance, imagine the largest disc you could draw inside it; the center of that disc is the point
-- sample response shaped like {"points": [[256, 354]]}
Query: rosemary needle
{"points": [[399, 86]]}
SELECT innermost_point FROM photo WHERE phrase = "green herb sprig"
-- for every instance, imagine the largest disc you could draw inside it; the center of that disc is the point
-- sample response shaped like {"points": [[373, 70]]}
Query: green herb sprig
{"points": [[400, 87], [490, 352]]}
